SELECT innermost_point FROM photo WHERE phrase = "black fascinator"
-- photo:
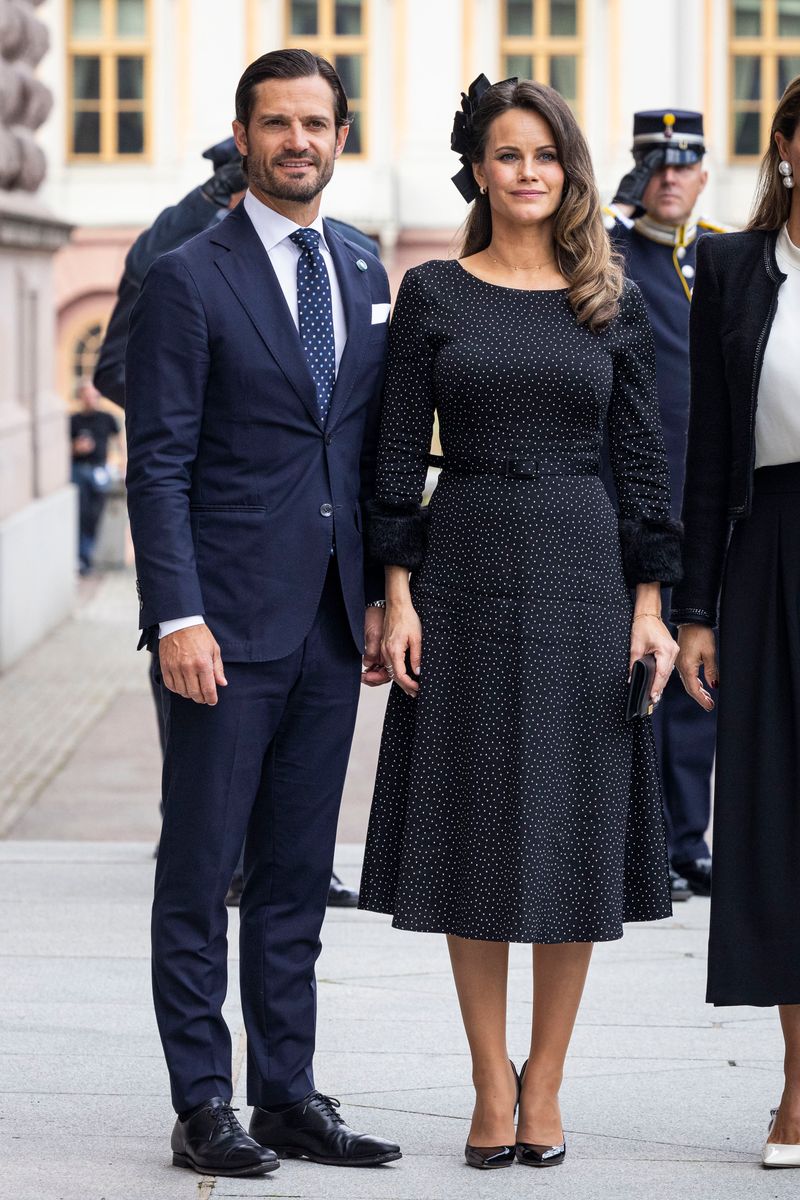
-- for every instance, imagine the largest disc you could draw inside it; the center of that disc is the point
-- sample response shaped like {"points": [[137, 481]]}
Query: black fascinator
{"points": [[462, 139]]}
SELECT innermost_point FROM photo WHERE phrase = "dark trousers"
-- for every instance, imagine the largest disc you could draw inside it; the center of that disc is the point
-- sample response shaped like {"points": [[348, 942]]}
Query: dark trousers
{"points": [[685, 737], [91, 502], [266, 765]]}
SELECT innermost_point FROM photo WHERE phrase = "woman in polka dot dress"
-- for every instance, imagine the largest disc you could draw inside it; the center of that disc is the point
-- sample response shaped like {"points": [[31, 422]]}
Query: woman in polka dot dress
{"points": [[513, 802]]}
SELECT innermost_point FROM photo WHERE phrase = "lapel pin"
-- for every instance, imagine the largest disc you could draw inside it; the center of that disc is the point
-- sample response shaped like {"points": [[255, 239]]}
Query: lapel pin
{"points": [[362, 266]]}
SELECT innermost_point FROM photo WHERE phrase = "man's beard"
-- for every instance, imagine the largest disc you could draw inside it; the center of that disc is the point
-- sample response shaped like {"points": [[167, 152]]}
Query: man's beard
{"points": [[300, 191]]}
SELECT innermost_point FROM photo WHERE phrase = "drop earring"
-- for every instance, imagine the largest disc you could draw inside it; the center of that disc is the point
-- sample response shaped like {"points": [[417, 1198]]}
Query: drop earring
{"points": [[785, 169]]}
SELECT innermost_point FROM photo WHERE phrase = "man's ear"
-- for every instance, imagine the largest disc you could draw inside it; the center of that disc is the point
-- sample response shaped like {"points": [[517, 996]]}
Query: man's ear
{"points": [[341, 138], [240, 137]]}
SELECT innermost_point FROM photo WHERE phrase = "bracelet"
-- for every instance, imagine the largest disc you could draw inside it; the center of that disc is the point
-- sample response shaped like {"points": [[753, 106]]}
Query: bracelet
{"points": [[656, 615], [376, 604]]}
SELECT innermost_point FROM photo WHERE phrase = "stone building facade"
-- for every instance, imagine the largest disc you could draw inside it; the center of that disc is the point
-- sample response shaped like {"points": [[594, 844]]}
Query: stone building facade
{"points": [[143, 86], [37, 506]]}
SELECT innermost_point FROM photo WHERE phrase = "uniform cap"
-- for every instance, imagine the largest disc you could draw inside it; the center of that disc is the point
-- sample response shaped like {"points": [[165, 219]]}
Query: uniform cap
{"points": [[678, 131], [222, 152]]}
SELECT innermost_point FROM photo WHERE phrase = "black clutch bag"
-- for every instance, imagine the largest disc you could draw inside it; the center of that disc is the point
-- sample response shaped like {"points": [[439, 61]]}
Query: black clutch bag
{"points": [[640, 687]]}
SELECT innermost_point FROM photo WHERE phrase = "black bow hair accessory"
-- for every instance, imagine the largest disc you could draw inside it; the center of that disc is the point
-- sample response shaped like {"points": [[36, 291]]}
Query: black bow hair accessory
{"points": [[462, 139]]}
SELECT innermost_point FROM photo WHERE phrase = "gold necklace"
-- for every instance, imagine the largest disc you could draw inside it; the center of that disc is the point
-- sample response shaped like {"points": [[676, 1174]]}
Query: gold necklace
{"points": [[508, 267]]}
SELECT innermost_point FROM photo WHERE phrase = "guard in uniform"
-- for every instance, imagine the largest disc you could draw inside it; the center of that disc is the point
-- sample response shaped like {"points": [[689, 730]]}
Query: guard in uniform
{"points": [[651, 222]]}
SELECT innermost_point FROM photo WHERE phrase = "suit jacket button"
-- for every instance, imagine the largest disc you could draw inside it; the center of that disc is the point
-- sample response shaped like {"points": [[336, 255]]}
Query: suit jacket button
{"points": [[328, 439], [326, 510]]}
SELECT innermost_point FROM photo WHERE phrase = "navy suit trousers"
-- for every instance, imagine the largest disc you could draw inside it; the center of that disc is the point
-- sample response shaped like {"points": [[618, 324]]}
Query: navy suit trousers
{"points": [[265, 766]]}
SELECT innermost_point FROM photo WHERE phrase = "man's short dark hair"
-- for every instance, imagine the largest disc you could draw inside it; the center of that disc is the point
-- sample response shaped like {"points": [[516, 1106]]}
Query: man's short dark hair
{"points": [[290, 64]]}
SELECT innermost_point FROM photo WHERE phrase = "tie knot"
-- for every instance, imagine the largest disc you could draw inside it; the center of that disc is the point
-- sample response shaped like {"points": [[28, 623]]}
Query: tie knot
{"points": [[306, 239]]}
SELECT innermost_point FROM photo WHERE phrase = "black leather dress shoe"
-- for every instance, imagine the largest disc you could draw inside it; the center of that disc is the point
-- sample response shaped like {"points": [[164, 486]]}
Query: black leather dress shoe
{"points": [[489, 1158], [340, 895], [313, 1129], [678, 887], [697, 873], [212, 1142], [531, 1155]]}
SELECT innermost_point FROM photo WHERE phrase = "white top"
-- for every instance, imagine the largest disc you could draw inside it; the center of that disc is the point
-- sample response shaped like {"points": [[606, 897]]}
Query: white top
{"points": [[778, 410], [273, 229]]}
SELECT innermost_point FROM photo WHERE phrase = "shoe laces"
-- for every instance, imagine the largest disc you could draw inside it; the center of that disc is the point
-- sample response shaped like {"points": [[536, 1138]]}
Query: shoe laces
{"points": [[227, 1121], [327, 1105]]}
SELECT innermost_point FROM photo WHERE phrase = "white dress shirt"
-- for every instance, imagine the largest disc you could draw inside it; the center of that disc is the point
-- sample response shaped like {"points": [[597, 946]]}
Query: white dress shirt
{"points": [[273, 230], [778, 410]]}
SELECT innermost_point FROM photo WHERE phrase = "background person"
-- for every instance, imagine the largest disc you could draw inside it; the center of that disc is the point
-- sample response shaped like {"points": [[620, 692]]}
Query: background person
{"points": [[743, 469], [513, 802], [253, 378], [91, 429], [653, 224]]}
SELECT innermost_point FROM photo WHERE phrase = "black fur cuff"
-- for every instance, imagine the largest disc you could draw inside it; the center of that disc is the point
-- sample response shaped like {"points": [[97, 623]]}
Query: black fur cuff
{"points": [[651, 551], [397, 534]]}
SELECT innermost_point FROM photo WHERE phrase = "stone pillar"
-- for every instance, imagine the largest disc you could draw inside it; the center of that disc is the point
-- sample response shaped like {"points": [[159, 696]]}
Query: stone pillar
{"points": [[37, 502]]}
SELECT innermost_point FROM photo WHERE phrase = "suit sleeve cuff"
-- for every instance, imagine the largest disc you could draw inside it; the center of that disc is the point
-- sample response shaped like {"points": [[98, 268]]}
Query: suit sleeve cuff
{"points": [[166, 627]]}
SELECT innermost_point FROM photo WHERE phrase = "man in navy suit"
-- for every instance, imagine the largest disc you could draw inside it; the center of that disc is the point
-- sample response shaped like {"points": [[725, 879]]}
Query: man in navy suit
{"points": [[254, 368]]}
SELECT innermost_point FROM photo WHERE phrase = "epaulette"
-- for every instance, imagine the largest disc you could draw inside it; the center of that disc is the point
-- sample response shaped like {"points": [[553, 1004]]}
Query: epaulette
{"points": [[611, 218], [714, 226]]}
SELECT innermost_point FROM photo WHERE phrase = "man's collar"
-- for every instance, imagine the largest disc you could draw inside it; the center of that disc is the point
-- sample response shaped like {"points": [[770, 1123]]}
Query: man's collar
{"points": [[271, 226], [666, 235]]}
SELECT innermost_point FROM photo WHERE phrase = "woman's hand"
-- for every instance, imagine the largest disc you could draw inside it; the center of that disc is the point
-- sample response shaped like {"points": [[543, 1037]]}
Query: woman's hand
{"points": [[649, 635], [402, 630], [698, 648]]}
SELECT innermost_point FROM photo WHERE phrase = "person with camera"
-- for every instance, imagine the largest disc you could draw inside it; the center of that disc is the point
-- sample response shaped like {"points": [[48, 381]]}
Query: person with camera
{"points": [[652, 223]]}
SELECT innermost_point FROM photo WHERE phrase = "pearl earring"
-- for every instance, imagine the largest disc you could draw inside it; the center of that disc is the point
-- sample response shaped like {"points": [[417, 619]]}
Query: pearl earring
{"points": [[483, 190], [787, 178]]}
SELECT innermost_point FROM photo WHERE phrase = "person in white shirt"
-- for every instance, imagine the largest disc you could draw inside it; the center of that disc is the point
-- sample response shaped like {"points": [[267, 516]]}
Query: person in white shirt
{"points": [[742, 558]]}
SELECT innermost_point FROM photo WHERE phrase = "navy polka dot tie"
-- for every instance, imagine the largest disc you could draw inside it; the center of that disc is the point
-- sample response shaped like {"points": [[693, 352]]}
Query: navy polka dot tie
{"points": [[315, 314]]}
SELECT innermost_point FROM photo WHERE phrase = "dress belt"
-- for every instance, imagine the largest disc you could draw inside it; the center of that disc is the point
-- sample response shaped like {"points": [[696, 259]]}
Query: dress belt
{"points": [[509, 468]]}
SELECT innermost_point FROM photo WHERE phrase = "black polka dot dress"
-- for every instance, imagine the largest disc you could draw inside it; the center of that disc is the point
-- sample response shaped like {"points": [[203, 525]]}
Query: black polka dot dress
{"points": [[513, 802]]}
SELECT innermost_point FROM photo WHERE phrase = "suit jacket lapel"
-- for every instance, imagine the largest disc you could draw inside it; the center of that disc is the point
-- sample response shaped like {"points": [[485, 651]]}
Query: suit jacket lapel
{"points": [[246, 266], [357, 299]]}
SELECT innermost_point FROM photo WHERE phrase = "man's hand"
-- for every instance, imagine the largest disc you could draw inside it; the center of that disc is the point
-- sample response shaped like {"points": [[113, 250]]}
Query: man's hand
{"points": [[374, 673], [191, 664], [633, 186], [698, 648]]}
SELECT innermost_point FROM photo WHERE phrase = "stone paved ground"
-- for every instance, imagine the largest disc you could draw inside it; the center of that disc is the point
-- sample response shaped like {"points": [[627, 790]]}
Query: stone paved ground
{"points": [[664, 1096], [79, 754]]}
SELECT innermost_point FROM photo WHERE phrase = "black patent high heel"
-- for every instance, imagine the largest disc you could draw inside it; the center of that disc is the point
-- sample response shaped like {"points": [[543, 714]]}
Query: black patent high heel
{"points": [[531, 1155], [489, 1158]]}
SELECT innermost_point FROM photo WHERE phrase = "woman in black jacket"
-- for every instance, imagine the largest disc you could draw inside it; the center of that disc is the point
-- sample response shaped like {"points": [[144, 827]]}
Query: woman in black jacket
{"points": [[743, 471]]}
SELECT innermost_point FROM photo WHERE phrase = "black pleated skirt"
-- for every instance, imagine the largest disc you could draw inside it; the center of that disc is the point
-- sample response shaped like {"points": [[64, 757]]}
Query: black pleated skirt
{"points": [[754, 946]]}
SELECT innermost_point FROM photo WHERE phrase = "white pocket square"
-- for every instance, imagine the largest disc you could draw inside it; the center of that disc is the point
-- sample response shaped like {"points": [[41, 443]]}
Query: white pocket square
{"points": [[380, 313]]}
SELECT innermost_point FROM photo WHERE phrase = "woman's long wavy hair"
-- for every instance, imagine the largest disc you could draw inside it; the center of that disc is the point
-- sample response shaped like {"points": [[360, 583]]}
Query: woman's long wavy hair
{"points": [[583, 251], [772, 200]]}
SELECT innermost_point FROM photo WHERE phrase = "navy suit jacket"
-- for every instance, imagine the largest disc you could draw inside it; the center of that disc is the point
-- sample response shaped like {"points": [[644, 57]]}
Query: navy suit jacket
{"points": [[236, 491]]}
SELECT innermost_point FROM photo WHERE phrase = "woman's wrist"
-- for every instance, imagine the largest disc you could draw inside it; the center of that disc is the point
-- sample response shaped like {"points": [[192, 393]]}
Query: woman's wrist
{"points": [[648, 601]]}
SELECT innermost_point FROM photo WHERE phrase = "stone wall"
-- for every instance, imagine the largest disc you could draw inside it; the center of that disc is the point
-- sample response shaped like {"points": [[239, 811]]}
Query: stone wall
{"points": [[25, 102], [37, 504]]}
